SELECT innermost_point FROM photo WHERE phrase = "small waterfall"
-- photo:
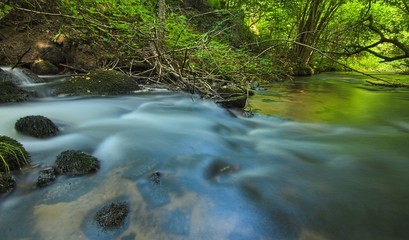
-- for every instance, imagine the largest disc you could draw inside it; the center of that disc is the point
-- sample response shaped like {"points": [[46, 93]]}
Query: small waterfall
{"points": [[19, 76]]}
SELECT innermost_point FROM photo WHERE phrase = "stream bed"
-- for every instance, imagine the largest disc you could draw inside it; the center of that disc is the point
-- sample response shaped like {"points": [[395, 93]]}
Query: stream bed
{"points": [[323, 158]]}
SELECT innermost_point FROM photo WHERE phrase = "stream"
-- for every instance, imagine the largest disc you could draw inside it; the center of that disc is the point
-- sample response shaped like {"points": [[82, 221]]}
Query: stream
{"points": [[323, 158]]}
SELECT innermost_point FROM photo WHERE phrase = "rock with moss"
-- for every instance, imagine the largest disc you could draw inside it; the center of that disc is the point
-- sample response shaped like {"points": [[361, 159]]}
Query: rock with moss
{"points": [[108, 82], [112, 216], [233, 96], [43, 67], [72, 162], [10, 92], [13, 155], [36, 126], [7, 183], [46, 177]]}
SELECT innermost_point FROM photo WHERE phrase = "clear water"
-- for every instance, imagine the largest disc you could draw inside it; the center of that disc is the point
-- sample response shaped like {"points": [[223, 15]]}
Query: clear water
{"points": [[315, 167]]}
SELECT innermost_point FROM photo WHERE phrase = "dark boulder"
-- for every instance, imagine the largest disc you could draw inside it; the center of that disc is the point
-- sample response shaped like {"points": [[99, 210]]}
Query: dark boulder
{"points": [[112, 216], [46, 177], [43, 67], [73, 162], [10, 92], [52, 54], [7, 183], [36, 126], [13, 155]]}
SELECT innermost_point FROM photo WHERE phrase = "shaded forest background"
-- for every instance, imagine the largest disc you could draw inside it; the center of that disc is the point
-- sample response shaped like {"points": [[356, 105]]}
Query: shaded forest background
{"points": [[223, 41]]}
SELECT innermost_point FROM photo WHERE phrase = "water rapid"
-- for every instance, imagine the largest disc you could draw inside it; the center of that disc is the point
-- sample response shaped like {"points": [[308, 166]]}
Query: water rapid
{"points": [[221, 176]]}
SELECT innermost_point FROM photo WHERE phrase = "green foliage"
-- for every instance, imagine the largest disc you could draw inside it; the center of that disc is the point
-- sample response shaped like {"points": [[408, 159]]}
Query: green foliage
{"points": [[238, 65], [179, 33], [121, 27], [4, 9], [214, 4]]}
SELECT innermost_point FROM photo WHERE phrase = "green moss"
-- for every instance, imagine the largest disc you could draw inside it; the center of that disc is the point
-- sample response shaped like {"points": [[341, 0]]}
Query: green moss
{"points": [[73, 162], [108, 82], [12, 155]]}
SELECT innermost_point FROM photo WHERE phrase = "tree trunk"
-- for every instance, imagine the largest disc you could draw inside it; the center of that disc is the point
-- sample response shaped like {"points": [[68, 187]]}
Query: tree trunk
{"points": [[314, 18], [160, 31]]}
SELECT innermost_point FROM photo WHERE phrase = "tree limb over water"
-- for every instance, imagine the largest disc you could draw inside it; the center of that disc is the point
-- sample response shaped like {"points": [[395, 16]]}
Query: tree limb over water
{"points": [[383, 39]]}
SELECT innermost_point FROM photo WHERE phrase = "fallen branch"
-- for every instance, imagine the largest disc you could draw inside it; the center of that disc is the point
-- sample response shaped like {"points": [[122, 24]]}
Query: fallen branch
{"points": [[21, 57]]}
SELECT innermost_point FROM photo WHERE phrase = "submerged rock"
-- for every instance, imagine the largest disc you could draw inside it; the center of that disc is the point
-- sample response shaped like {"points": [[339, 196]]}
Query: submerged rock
{"points": [[46, 177], [73, 162], [36, 126], [112, 216], [219, 168], [155, 178], [13, 155], [7, 183], [108, 82]]}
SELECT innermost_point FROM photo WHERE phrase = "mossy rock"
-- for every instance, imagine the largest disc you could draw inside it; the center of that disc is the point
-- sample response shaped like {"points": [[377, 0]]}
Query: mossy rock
{"points": [[233, 96], [10, 92], [43, 67], [108, 82], [112, 216], [7, 183], [73, 162], [36, 126], [13, 155], [46, 177]]}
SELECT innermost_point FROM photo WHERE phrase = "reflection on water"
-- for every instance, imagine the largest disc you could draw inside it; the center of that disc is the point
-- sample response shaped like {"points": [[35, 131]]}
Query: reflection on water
{"points": [[218, 176], [332, 97]]}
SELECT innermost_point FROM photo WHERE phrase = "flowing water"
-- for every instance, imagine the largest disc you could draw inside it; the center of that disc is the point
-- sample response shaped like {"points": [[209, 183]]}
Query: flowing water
{"points": [[323, 158]]}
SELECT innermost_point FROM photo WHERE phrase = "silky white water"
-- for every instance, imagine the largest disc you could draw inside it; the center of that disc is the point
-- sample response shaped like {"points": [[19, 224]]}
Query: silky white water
{"points": [[222, 176]]}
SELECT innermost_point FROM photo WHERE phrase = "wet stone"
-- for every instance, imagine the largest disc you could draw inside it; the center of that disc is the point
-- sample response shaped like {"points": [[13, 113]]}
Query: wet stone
{"points": [[46, 177], [112, 216], [72, 162], [155, 178], [7, 183], [36, 126], [217, 169]]}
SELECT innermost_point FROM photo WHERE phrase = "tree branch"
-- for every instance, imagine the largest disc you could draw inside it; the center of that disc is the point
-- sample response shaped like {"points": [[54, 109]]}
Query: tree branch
{"points": [[383, 39]]}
